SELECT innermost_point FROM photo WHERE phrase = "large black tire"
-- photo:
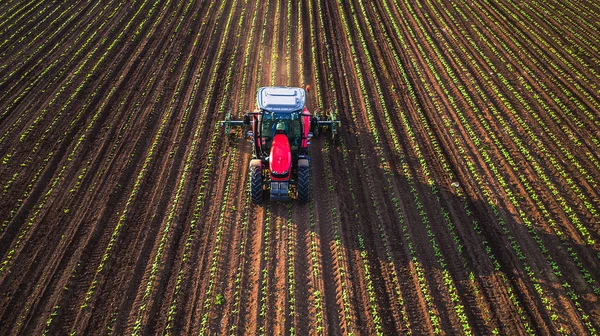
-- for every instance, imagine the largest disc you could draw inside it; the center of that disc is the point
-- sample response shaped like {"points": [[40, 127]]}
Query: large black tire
{"points": [[256, 184], [303, 181]]}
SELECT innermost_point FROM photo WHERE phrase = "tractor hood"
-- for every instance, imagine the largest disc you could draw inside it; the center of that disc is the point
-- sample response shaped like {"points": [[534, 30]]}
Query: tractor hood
{"points": [[280, 160]]}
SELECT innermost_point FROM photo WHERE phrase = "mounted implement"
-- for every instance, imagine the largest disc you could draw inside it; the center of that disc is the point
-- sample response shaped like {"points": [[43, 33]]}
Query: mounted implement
{"points": [[280, 130]]}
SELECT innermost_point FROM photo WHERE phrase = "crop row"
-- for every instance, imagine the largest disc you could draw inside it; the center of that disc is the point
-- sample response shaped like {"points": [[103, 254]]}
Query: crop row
{"points": [[244, 233], [130, 199], [558, 197], [14, 21], [237, 282], [209, 165], [473, 286], [514, 243], [81, 175], [515, 203], [41, 74], [370, 290], [458, 307], [570, 13], [559, 233], [34, 152], [565, 75], [40, 17], [385, 164], [546, 153], [290, 226], [474, 173], [340, 253], [40, 205], [211, 298], [315, 258], [442, 159], [573, 255], [164, 239], [424, 82]]}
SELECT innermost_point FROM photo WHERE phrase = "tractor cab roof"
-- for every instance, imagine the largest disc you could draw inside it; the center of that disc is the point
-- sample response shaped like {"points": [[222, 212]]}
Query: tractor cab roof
{"points": [[280, 99]]}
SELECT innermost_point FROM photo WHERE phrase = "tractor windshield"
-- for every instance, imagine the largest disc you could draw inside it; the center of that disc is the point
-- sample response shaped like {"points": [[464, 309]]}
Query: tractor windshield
{"points": [[284, 122]]}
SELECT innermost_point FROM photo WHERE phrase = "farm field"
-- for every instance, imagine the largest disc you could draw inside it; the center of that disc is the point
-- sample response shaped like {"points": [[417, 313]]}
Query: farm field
{"points": [[461, 195]]}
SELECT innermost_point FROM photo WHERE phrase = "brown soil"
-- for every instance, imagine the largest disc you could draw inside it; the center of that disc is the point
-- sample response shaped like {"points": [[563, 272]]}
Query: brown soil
{"points": [[461, 195]]}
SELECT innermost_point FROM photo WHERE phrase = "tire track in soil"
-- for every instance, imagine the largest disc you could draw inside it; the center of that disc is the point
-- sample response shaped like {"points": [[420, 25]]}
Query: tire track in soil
{"points": [[299, 239], [277, 297], [270, 307], [246, 321], [276, 273]]}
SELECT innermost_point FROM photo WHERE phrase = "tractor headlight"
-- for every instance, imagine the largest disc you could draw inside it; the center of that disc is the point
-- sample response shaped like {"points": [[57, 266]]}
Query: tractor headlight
{"points": [[280, 174]]}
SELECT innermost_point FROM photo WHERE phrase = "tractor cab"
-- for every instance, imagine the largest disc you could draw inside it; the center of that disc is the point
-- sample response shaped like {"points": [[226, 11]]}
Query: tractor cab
{"points": [[280, 123], [280, 107]]}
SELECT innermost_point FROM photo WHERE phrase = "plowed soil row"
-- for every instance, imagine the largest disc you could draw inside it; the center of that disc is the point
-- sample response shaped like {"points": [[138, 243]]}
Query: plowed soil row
{"points": [[460, 195]]}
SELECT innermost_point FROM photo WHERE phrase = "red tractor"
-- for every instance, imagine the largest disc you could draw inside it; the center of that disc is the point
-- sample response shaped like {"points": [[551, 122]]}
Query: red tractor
{"points": [[280, 130]]}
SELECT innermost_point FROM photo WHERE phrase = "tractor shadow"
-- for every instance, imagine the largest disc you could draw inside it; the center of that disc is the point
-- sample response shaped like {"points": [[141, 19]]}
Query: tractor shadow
{"points": [[373, 215]]}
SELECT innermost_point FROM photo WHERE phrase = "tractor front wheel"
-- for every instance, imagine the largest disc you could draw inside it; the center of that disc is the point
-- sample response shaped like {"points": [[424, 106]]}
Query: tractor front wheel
{"points": [[303, 181], [256, 181]]}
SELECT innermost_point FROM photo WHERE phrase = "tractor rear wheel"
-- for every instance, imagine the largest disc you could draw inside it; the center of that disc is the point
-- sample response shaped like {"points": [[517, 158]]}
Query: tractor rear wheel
{"points": [[303, 181], [256, 182]]}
